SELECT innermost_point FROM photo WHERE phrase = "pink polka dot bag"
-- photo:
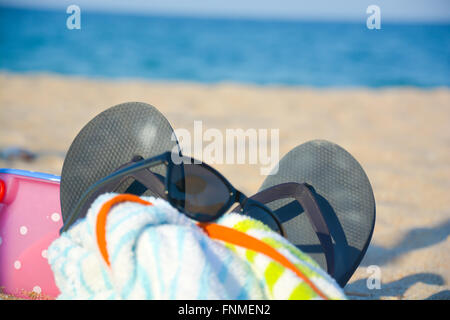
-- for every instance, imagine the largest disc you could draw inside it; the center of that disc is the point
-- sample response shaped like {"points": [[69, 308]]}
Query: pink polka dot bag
{"points": [[30, 219]]}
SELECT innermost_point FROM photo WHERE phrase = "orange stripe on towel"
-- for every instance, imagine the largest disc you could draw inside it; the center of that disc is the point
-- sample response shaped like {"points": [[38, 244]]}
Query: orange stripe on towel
{"points": [[101, 220], [230, 235]]}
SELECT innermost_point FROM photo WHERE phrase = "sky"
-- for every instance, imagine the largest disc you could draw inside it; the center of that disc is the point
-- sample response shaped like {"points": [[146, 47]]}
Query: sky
{"points": [[331, 10]]}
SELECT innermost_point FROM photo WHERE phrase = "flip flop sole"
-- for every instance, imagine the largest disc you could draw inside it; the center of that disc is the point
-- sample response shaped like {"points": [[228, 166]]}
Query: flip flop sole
{"points": [[108, 141], [344, 196]]}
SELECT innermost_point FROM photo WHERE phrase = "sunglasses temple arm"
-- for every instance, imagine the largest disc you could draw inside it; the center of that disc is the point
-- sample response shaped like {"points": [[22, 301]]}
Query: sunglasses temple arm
{"points": [[86, 200], [244, 201], [257, 203], [108, 184], [304, 196]]}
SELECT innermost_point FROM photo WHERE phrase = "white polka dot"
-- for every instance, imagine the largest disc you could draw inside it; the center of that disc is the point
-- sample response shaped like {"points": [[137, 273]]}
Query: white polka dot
{"points": [[37, 289], [23, 230], [55, 217], [44, 254], [17, 264]]}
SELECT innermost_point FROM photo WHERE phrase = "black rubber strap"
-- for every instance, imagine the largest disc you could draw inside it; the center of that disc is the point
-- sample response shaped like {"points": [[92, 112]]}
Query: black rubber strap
{"points": [[302, 193], [148, 179]]}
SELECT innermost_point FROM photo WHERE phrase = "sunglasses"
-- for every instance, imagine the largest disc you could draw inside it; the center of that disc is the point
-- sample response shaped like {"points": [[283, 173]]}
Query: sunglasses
{"points": [[193, 187]]}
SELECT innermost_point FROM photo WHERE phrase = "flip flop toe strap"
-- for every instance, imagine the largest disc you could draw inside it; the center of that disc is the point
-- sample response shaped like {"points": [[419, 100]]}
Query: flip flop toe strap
{"points": [[305, 197]]}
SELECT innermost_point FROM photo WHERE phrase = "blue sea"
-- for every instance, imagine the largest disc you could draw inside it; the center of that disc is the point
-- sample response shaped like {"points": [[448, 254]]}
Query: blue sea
{"points": [[317, 54]]}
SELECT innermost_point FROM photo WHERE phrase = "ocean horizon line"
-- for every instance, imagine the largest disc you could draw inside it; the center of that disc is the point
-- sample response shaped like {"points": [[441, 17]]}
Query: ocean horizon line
{"points": [[231, 17]]}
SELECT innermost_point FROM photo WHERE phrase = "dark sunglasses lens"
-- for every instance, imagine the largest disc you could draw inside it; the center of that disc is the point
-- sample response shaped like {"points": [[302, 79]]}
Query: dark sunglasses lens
{"points": [[261, 214], [197, 191]]}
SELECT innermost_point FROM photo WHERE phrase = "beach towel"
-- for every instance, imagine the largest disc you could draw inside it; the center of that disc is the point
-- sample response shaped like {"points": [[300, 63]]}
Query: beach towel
{"points": [[145, 249]]}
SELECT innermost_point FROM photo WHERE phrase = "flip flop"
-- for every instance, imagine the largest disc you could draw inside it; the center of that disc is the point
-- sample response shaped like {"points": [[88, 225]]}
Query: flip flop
{"points": [[119, 135], [325, 203]]}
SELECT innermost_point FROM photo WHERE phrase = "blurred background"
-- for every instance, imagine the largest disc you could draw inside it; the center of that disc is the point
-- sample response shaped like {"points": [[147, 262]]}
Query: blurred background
{"points": [[312, 69], [263, 42]]}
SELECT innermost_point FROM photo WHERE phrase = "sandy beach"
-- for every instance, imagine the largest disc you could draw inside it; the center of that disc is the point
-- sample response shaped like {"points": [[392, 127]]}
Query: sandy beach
{"points": [[401, 137]]}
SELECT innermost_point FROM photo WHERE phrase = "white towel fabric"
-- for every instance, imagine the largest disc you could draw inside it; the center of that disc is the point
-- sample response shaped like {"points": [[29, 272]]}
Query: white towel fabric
{"points": [[158, 253]]}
